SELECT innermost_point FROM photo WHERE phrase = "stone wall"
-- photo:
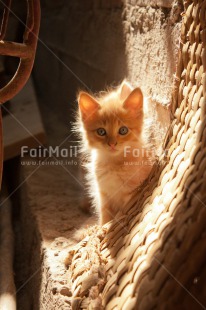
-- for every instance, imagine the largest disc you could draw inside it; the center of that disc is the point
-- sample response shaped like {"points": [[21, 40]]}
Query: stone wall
{"points": [[152, 41]]}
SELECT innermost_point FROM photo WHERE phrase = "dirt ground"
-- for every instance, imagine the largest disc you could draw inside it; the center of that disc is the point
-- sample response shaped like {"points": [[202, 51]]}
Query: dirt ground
{"points": [[50, 222]]}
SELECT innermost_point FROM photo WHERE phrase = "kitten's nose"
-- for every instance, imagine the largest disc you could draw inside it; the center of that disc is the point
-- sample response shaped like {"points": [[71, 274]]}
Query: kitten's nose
{"points": [[112, 144]]}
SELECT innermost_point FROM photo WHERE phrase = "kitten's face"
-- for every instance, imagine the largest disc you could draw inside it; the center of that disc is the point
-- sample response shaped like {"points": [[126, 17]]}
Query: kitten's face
{"points": [[112, 124], [112, 132]]}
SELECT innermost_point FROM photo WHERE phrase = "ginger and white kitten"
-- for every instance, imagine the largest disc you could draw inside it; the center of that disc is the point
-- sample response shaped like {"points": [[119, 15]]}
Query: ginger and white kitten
{"points": [[116, 132]]}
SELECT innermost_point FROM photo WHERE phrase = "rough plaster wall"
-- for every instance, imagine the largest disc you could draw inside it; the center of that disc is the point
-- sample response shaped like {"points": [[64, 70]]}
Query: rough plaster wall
{"points": [[152, 40]]}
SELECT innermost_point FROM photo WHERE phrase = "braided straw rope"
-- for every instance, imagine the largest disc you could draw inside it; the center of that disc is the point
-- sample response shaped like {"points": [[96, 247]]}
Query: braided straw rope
{"points": [[154, 257]]}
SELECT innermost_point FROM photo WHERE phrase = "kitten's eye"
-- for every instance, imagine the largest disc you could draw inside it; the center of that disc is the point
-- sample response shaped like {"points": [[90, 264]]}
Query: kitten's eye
{"points": [[123, 130], [101, 131]]}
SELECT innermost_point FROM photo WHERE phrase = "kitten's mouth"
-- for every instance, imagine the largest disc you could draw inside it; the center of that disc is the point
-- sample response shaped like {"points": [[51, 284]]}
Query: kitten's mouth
{"points": [[113, 149]]}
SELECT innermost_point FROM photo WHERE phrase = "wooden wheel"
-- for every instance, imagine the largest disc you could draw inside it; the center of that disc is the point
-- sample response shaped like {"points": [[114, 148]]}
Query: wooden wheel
{"points": [[25, 51]]}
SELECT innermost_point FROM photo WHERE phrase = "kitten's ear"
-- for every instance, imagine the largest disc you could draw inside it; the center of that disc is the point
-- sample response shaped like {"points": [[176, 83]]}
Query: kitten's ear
{"points": [[87, 105], [125, 90], [134, 102]]}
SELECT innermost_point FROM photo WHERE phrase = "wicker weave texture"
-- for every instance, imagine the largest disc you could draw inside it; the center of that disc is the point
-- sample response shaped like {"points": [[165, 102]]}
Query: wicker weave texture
{"points": [[155, 256]]}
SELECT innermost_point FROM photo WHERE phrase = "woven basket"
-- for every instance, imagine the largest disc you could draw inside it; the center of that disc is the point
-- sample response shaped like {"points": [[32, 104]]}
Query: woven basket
{"points": [[154, 257]]}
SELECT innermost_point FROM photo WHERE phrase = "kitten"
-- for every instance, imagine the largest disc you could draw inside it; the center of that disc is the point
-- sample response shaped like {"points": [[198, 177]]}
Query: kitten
{"points": [[116, 132]]}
